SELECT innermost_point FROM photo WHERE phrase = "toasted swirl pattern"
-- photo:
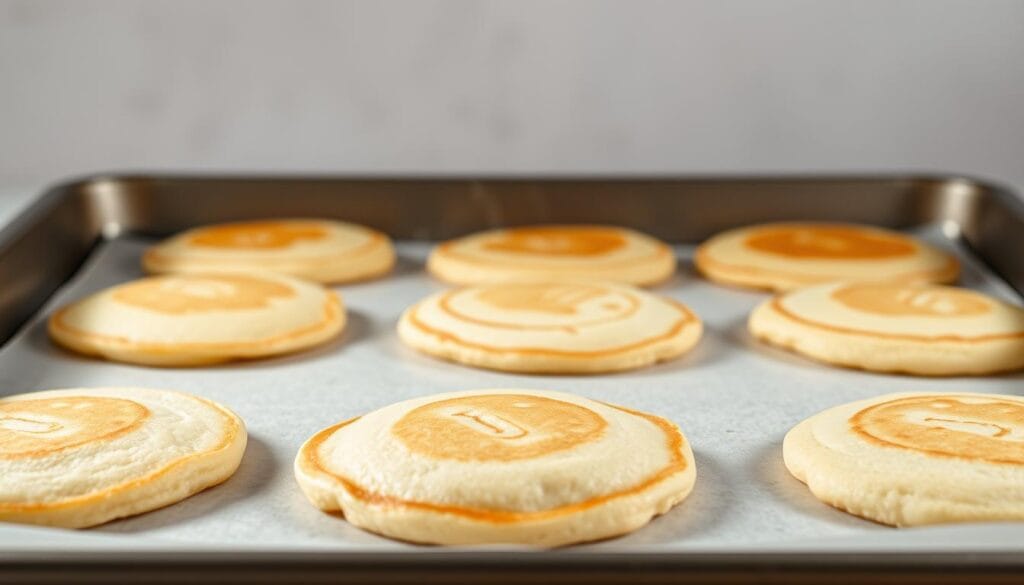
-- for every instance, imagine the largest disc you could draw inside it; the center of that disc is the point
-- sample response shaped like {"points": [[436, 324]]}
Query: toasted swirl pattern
{"points": [[261, 235], [568, 306], [542, 298], [966, 427], [181, 294], [498, 427], [36, 428], [829, 243], [902, 301], [557, 241]]}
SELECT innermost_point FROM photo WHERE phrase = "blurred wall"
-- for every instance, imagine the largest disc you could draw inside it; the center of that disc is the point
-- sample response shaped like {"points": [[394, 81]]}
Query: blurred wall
{"points": [[516, 86]]}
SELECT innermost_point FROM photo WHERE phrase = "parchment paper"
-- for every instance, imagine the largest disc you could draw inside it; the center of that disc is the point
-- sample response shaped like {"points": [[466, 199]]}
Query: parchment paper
{"points": [[734, 399]]}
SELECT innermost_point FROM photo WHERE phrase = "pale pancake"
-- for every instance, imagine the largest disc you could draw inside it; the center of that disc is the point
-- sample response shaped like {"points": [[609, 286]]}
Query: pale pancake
{"points": [[81, 457], [543, 252], [197, 319], [555, 327], [786, 256], [498, 466], [922, 330], [915, 458], [318, 250]]}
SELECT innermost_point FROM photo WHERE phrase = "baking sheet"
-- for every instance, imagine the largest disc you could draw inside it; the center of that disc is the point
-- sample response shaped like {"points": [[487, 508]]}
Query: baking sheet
{"points": [[734, 399]]}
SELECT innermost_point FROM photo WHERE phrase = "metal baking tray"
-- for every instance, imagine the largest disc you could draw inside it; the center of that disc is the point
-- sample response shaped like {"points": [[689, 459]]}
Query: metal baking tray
{"points": [[734, 398]]}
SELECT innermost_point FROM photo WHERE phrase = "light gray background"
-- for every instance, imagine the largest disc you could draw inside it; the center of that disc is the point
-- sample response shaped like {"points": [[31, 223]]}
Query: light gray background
{"points": [[517, 86]]}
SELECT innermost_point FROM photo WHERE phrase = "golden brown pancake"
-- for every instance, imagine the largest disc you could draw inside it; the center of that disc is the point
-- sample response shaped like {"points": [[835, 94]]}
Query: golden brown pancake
{"points": [[555, 327], [786, 256], [317, 250], [200, 318], [498, 466], [922, 330], [545, 252], [915, 458], [81, 457]]}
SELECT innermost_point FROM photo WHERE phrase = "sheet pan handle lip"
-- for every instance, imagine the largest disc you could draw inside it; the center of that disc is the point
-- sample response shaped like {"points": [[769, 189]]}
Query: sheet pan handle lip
{"points": [[54, 193], [566, 560], [85, 180], [23, 221], [568, 556]]}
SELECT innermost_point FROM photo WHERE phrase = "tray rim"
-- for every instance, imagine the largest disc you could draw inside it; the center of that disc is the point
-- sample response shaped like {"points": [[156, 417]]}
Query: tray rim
{"points": [[55, 191], [552, 566], [63, 188]]}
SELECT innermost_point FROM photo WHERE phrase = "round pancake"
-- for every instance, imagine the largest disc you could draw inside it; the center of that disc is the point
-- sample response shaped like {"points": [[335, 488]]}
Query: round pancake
{"points": [[197, 319], [916, 329], [786, 256], [915, 458], [556, 327], [543, 252], [82, 457], [498, 466], [317, 250]]}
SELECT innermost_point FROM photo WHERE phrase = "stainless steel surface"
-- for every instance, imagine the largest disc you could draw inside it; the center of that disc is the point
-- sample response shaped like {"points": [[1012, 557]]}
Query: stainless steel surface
{"points": [[745, 513]]}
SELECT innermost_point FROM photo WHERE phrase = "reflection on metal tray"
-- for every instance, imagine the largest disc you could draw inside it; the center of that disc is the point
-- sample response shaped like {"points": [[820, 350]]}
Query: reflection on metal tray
{"points": [[734, 398]]}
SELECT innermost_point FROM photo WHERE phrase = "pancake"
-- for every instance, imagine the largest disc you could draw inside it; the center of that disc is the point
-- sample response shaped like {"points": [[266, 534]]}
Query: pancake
{"points": [[197, 319], [82, 457], [498, 466], [317, 250], [557, 327], [543, 252], [924, 330], [786, 256], [916, 458]]}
